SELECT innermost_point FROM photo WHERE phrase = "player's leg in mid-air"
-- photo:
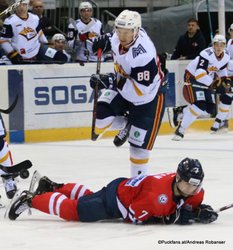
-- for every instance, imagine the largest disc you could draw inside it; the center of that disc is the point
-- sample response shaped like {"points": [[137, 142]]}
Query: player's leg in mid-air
{"points": [[145, 122], [6, 160], [111, 109]]}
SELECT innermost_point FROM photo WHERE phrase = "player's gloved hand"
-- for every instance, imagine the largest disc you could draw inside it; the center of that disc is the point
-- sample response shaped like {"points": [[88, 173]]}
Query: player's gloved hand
{"points": [[205, 214], [15, 57], [222, 85], [104, 81], [164, 85], [186, 217], [102, 42]]}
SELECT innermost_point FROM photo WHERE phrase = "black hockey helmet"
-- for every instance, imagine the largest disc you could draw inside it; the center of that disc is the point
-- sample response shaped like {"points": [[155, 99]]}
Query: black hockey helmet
{"points": [[190, 170]]}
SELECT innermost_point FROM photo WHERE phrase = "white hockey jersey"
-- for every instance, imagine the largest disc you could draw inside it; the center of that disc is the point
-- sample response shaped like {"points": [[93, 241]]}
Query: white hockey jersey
{"points": [[207, 66], [140, 69], [230, 51], [83, 45], [22, 35]]}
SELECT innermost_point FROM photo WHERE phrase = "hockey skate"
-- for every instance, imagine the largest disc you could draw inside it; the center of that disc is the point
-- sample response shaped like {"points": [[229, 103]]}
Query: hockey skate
{"points": [[122, 136], [221, 129], [175, 115], [10, 185], [46, 185], [22, 203], [178, 135]]}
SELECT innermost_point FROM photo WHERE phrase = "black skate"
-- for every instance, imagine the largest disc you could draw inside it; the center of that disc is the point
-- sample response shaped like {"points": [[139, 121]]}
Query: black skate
{"points": [[175, 115], [178, 135], [46, 185], [122, 136], [222, 128], [22, 203]]}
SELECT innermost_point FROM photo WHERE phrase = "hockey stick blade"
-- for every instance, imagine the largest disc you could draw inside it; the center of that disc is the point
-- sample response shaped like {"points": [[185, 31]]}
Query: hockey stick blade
{"points": [[224, 208], [7, 111], [17, 167]]}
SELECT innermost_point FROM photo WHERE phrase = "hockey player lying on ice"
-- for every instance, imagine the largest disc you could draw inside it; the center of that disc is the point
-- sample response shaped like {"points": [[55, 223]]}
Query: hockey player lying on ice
{"points": [[167, 198]]}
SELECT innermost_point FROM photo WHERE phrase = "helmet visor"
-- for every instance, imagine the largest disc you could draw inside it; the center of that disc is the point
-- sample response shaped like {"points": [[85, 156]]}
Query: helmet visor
{"points": [[188, 188]]}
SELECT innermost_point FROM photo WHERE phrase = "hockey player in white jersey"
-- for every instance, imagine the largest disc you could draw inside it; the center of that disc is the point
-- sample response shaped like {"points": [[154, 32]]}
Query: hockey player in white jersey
{"points": [[221, 121], [24, 41], [206, 73], [136, 89], [6, 160], [82, 35]]}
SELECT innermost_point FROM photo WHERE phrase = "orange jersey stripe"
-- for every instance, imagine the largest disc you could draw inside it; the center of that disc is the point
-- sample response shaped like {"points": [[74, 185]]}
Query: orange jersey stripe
{"points": [[157, 118]]}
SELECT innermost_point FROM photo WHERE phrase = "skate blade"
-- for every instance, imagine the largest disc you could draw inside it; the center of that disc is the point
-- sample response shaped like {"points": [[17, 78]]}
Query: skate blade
{"points": [[177, 138]]}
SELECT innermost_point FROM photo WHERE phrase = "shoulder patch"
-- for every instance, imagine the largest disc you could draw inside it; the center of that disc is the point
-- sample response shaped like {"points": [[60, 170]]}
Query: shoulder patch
{"points": [[139, 50]]}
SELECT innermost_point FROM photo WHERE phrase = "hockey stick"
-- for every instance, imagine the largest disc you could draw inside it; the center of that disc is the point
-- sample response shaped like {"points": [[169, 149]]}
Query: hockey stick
{"points": [[94, 136], [7, 111], [24, 165], [10, 8], [224, 208]]}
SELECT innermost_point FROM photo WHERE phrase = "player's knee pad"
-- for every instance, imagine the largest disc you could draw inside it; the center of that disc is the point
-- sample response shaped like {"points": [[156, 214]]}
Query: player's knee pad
{"points": [[60, 57], [225, 99]]}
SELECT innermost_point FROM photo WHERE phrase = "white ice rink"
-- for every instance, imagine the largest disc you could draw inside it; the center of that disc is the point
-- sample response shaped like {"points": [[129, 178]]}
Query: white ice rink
{"points": [[97, 163]]}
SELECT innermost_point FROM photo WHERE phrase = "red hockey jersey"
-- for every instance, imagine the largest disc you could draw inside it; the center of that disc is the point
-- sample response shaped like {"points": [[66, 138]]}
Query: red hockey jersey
{"points": [[143, 197]]}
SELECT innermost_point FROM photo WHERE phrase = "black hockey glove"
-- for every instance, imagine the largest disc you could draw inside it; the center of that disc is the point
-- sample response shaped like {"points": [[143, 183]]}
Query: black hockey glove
{"points": [[104, 81], [102, 42], [205, 214], [186, 217], [222, 86], [15, 57]]}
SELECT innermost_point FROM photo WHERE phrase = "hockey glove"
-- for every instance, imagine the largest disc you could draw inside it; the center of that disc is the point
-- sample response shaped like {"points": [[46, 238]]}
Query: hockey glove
{"points": [[104, 81], [102, 42], [205, 214], [186, 217], [15, 57], [222, 85]]}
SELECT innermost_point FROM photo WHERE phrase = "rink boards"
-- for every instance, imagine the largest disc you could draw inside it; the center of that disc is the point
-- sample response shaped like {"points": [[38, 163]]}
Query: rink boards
{"points": [[55, 101]]}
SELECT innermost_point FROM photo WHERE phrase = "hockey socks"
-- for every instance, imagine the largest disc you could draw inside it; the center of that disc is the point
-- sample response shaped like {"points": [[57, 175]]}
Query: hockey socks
{"points": [[73, 191], [56, 204]]}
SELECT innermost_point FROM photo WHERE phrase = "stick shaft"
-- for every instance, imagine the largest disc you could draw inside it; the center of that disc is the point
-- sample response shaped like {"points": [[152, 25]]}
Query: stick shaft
{"points": [[94, 136]]}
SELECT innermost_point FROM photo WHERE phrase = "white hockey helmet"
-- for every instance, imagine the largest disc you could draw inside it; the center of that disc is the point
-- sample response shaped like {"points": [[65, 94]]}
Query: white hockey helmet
{"points": [[219, 39], [129, 19], [23, 1], [85, 5], [230, 28], [58, 37]]}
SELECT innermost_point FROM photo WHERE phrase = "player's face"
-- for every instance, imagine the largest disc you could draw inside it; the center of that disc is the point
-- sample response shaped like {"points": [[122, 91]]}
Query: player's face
{"points": [[125, 36], [86, 14], [218, 48], [22, 9], [186, 189], [59, 45]]}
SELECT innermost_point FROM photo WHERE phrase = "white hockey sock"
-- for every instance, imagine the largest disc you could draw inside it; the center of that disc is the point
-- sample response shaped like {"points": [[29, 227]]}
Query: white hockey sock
{"points": [[190, 115], [5, 157], [139, 161], [118, 123], [222, 114]]}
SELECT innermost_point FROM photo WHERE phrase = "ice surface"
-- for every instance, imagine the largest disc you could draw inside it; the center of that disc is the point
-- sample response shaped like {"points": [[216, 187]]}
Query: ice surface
{"points": [[97, 163]]}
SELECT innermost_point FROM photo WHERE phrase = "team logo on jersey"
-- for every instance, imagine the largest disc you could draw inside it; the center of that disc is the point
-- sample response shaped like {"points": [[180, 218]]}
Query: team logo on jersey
{"points": [[163, 199], [28, 33], [139, 50]]}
